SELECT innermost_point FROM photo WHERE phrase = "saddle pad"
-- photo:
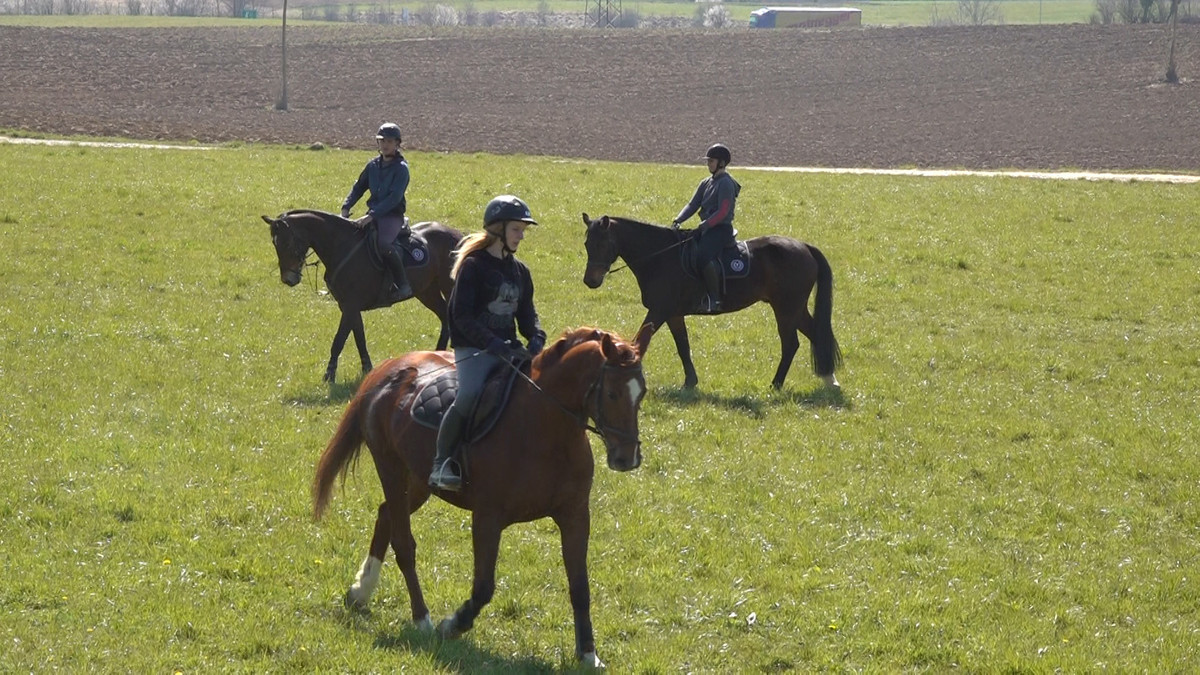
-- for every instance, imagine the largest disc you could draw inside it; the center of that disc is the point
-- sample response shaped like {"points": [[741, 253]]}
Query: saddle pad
{"points": [[410, 244], [439, 391], [735, 261]]}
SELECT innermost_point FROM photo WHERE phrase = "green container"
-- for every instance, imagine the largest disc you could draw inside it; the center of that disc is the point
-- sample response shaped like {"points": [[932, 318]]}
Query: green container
{"points": [[249, 13]]}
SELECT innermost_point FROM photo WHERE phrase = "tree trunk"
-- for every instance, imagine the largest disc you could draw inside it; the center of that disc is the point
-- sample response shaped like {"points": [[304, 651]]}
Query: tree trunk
{"points": [[282, 103], [1172, 76]]}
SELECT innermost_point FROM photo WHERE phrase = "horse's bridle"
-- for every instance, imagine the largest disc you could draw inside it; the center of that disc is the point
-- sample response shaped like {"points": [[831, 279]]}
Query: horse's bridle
{"points": [[638, 260], [598, 386], [302, 249], [594, 395]]}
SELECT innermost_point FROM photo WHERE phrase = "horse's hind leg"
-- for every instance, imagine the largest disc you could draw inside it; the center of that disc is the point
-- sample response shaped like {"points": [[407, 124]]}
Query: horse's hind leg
{"points": [[485, 539], [405, 547], [432, 298], [367, 579], [360, 341], [789, 342]]}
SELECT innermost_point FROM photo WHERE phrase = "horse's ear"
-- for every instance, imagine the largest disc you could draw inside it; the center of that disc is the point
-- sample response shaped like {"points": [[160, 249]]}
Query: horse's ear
{"points": [[587, 222], [268, 221], [605, 222], [608, 346], [642, 341]]}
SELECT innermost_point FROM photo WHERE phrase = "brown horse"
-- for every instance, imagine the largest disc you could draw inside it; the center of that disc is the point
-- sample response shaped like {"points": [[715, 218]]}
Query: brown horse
{"points": [[514, 475], [782, 273], [354, 281]]}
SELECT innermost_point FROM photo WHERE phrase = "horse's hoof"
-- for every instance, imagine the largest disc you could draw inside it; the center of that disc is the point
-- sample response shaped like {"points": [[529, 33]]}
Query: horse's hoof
{"points": [[330, 376], [832, 382], [448, 630], [690, 384], [590, 660], [354, 602], [425, 625], [777, 386]]}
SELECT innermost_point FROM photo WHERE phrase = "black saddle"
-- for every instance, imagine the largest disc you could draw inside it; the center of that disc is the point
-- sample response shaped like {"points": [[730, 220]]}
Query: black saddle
{"points": [[409, 243], [734, 260], [437, 392]]}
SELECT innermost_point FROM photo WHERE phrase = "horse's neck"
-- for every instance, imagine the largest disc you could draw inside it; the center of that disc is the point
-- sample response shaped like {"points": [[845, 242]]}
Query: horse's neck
{"points": [[569, 380], [330, 239], [637, 243]]}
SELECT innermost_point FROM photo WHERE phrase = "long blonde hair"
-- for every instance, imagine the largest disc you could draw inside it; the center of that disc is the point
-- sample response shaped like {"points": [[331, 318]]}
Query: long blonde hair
{"points": [[476, 241]]}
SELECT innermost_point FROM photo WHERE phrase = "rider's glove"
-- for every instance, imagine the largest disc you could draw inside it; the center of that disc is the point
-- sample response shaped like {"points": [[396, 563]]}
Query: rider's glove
{"points": [[498, 348]]}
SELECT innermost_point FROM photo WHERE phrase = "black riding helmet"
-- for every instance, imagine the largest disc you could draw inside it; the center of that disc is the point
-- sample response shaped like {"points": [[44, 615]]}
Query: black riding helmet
{"points": [[504, 208], [719, 152], [388, 130]]}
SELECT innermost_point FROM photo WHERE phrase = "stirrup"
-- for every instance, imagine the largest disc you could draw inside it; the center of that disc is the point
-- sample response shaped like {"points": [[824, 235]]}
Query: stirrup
{"points": [[400, 293], [444, 477], [710, 306]]}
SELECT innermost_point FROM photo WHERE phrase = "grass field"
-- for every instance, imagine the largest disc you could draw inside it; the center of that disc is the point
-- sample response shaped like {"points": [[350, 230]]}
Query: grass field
{"points": [[1007, 481], [876, 13]]}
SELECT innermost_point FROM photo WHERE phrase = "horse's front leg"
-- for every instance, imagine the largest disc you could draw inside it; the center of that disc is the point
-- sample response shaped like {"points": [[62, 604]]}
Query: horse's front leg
{"points": [[339, 342], [574, 528], [679, 332], [485, 539], [360, 341]]}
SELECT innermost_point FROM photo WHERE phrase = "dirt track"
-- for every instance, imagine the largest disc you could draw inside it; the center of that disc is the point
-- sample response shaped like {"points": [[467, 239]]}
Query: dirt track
{"points": [[1052, 97]]}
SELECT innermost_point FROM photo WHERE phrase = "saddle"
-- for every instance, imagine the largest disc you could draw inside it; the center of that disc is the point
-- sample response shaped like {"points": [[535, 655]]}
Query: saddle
{"points": [[413, 250], [734, 260], [436, 392], [410, 244]]}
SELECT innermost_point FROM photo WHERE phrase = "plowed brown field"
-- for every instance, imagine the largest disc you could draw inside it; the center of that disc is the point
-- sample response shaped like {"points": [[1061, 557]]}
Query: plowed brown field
{"points": [[1038, 97]]}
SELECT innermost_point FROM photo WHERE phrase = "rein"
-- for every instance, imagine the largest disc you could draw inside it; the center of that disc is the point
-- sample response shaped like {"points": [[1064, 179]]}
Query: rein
{"points": [[597, 386], [647, 257]]}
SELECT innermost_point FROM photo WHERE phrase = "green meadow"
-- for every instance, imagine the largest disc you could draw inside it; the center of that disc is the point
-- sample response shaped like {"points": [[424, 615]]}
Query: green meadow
{"points": [[1006, 482]]}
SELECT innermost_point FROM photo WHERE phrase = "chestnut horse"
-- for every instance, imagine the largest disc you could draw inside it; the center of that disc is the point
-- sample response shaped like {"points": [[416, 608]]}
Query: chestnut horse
{"points": [[353, 280], [783, 272], [514, 475]]}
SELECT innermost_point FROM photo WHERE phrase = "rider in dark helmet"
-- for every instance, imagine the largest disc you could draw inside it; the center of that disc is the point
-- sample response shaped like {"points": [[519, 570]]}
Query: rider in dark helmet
{"points": [[492, 298], [386, 176], [715, 198]]}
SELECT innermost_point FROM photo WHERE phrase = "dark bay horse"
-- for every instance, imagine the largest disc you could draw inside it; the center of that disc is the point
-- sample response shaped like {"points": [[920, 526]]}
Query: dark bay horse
{"points": [[515, 475], [353, 280], [783, 272]]}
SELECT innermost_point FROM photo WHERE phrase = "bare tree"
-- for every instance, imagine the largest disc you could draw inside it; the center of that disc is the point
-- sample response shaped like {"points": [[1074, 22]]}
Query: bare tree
{"points": [[282, 103], [1172, 76]]}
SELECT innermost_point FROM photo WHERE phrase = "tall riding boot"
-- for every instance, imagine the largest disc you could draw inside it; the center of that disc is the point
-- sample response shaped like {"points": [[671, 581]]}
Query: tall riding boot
{"points": [[445, 474], [712, 283], [401, 290]]}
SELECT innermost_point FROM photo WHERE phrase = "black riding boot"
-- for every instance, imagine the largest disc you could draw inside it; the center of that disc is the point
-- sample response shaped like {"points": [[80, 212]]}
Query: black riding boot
{"points": [[712, 283], [401, 290], [445, 474]]}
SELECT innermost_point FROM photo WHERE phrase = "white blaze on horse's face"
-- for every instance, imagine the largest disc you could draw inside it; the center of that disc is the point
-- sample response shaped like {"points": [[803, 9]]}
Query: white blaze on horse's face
{"points": [[635, 392]]}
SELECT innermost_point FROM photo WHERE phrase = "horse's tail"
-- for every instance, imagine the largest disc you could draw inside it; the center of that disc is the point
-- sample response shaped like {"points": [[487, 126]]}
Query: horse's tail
{"points": [[826, 355], [342, 450]]}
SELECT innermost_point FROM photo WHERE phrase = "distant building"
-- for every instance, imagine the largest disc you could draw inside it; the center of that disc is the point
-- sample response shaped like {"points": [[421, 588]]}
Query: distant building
{"points": [[805, 17]]}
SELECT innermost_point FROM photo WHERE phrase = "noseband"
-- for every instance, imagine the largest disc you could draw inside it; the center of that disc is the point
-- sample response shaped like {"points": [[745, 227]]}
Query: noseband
{"points": [[595, 395], [602, 429]]}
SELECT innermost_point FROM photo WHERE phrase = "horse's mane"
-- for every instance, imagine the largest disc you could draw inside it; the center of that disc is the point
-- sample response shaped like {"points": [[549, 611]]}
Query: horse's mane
{"points": [[572, 338], [309, 212]]}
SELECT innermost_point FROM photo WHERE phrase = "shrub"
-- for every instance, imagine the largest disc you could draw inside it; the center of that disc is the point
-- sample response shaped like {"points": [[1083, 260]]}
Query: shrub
{"points": [[714, 15]]}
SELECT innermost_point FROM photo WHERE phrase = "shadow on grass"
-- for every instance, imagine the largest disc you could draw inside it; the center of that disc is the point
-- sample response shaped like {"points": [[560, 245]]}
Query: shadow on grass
{"points": [[753, 405], [461, 655], [338, 392]]}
